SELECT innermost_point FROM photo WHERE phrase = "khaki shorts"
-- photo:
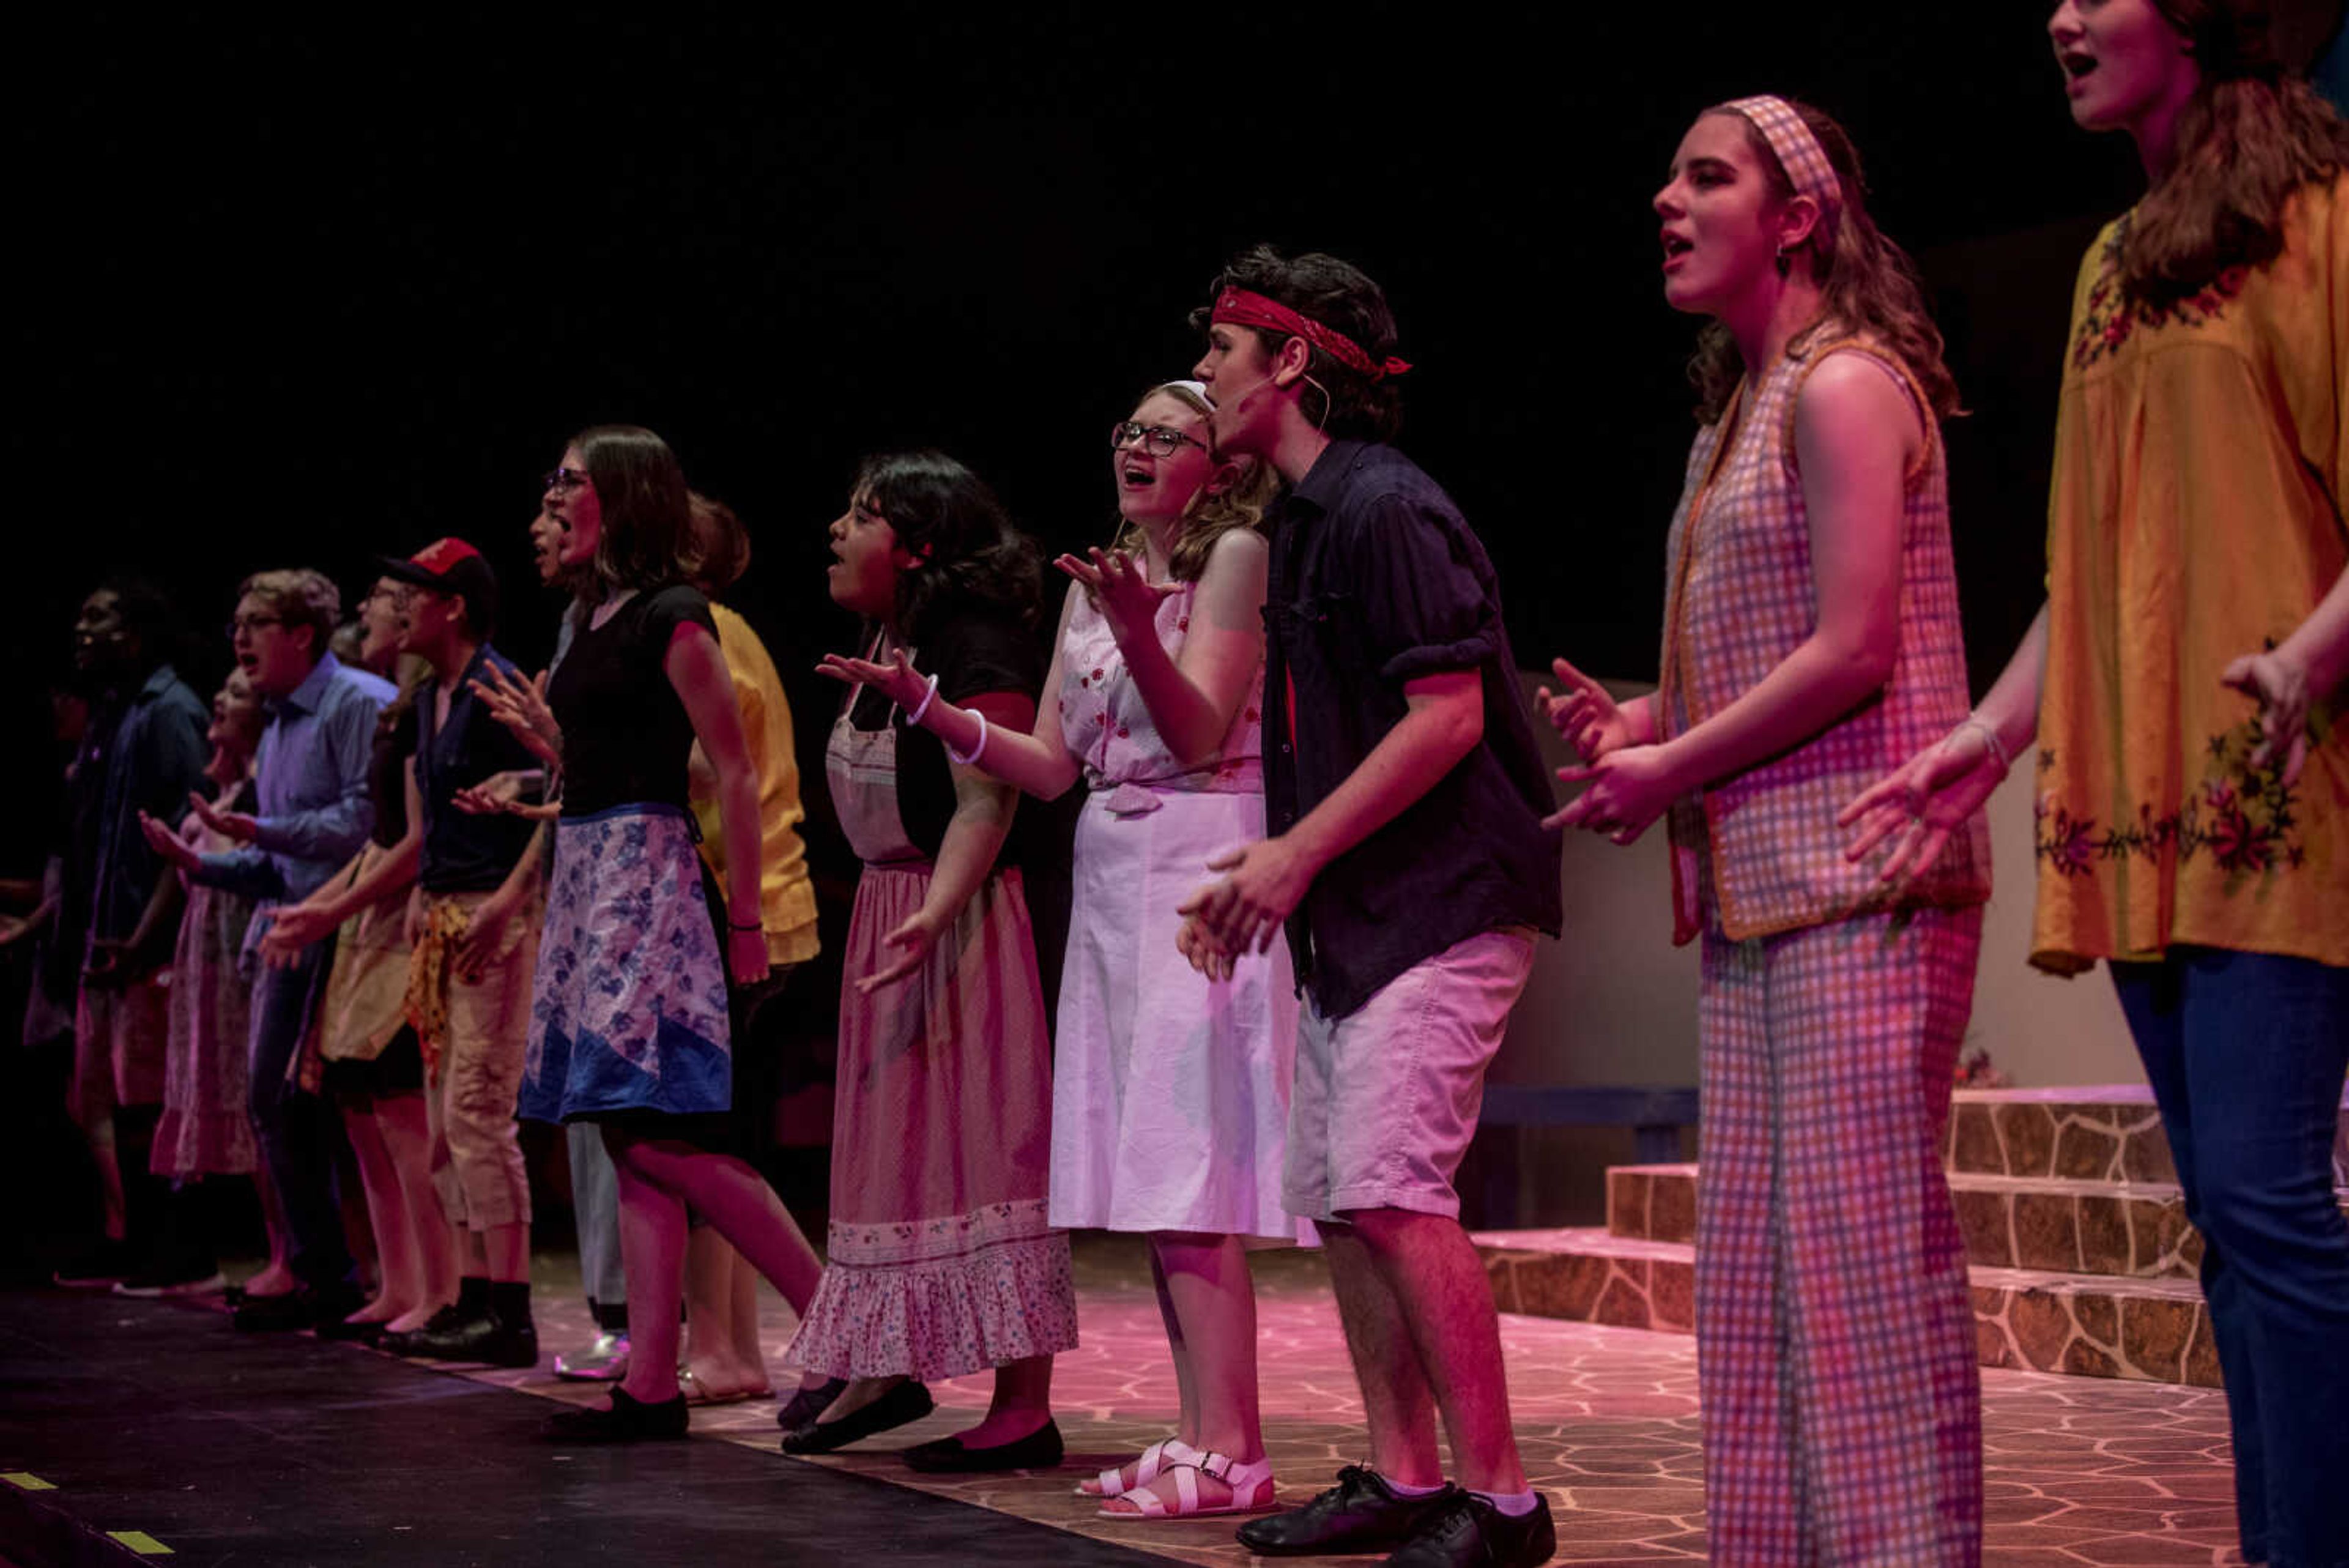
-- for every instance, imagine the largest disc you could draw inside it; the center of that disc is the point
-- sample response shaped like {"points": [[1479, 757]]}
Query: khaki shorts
{"points": [[1386, 1097], [477, 1164], [121, 1037]]}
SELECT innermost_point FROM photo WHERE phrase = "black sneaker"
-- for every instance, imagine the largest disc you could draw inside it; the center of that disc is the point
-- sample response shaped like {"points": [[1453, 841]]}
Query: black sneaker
{"points": [[1471, 1530], [484, 1338], [1361, 1513], [99, 1266]]}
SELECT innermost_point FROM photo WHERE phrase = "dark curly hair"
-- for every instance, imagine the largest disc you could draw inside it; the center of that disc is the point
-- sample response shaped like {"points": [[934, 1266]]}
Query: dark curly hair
{"points": [[969, 550], [2251, 135], [1340, 297]]}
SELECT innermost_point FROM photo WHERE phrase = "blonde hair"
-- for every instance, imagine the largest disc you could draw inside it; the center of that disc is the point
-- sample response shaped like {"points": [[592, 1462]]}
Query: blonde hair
{"points": [[1211, 514]]}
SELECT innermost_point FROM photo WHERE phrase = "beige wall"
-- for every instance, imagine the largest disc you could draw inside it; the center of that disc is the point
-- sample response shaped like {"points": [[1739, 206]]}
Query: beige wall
{"points": [[1615, 1002]]}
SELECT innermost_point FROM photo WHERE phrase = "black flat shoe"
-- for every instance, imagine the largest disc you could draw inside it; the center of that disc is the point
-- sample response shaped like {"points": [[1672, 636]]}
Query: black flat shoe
{"points": [[1358, 1514], [343, 1328], [1472, 1534], [629, 1420], [1039, 1450], [908, 1401], [802, 1407]]}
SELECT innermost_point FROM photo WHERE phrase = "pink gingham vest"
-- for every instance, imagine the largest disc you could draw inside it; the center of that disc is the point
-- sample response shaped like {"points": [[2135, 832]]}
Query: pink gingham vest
{"points": [[1761, 851]]}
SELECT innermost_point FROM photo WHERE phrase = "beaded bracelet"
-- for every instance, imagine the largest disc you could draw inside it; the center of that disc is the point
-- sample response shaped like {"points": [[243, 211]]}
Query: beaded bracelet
{"points": [[978, 747]]}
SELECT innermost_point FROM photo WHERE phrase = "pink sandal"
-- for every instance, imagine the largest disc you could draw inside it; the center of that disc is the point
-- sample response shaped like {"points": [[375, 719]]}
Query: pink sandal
{"points": [[1156, 1461], [1251, 1485]]}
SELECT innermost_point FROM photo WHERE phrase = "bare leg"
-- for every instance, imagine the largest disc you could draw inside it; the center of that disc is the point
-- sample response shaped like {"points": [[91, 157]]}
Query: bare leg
{"points": [[1433, 1280], [407, 1137], [505, 1253], [738, 1203], [277, 1277], [716, 1278], [401, 1272], [1395, 1399], [652, 1251], [113, 1214], [1186, 1387], [1203, 1279], [749, 1354], [1022, 1403]]}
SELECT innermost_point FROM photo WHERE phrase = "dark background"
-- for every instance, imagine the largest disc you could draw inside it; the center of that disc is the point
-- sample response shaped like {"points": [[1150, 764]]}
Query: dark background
{"points": [[301, 293]]}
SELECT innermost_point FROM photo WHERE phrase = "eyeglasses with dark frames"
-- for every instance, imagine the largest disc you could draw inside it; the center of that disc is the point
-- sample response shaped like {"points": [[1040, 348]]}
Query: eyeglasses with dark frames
{"points": [[245, 623], [565, 480], [1159, 440]]}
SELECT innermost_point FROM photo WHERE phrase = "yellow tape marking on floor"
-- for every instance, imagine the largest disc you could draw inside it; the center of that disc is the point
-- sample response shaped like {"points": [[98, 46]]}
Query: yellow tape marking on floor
{"points": [[141, 1543], [26, 1480]]}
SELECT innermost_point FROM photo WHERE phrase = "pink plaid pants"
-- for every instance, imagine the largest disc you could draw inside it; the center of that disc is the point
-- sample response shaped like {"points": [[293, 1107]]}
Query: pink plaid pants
{"points": [[1834, 1338]]}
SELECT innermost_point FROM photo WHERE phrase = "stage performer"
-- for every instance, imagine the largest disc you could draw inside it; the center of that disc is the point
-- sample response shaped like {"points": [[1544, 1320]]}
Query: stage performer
{"points": [[1407, 858], [311, 776], [1170, 1091], [628, 1023], [1811, 630], [942, 1259], [2181, 691]]}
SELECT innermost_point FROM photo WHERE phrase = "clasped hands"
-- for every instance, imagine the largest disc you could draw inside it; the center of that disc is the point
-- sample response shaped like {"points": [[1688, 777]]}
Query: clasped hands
{"points": [[1631, 784]]}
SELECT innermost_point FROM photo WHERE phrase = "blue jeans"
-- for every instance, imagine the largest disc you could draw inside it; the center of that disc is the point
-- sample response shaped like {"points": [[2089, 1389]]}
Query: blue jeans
{"points": [[297, 1130], [2246, 1053]]}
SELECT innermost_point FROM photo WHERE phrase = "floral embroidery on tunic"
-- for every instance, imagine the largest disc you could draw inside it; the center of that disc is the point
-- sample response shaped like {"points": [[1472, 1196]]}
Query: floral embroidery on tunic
{"points": [[2244, 818], [2109, 316]]}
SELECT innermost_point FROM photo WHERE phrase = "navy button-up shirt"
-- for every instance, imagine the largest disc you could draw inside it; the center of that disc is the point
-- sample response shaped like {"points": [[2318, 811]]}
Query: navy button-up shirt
{"points": [[156, 757], [464, 852], [312, 775], [1376, 580]]}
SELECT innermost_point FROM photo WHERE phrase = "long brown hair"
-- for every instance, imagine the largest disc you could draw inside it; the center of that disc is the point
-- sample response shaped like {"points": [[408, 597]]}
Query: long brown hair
{"points": [[1867, 283], [2251, 135], [1211, 514]]}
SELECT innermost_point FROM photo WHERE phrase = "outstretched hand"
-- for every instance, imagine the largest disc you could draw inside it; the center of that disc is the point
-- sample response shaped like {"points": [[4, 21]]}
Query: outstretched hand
{"points": [[897, 679], [1921, 803], [501, 794], [521, 706], [915, 937], [1583, 713], [1631, 786], [231, 824], [168, 845], [1122, 588], [1244, 912], [2279, 683]]}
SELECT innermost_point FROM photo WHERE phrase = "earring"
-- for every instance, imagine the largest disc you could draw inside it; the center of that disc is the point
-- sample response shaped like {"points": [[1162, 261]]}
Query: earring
{"points": [[1785, 261]]}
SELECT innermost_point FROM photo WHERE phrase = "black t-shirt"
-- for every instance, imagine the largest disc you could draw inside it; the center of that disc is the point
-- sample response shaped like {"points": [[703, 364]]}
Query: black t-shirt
{"points": [[464, 852], [626, 733], [978, 651]]}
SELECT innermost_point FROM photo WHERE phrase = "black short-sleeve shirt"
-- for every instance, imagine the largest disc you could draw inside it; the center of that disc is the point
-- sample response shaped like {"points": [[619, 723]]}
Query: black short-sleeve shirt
{"points": [[1376, 580], [980, 649], [626, 733], [464, 853]]}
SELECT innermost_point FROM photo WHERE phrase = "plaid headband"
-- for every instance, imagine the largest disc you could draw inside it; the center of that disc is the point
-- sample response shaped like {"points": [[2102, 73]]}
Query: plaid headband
{"points": [[1241, 308], [1799, 153]]}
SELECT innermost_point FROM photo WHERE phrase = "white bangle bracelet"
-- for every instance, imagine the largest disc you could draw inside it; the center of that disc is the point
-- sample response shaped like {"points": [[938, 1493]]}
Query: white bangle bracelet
{"points": [[979, 747], [914, 717], [1991, 740]]}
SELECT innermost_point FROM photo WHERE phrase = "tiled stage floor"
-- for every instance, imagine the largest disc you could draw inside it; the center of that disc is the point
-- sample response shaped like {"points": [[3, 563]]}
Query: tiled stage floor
{"points": [[2080, 1470]]}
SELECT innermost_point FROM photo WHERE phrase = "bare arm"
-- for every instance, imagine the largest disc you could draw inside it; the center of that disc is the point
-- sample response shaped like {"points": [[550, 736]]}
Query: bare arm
{"points": [[974, 836], [1191, 700], [1264, 881], [1855, 435], [1040, 762], [697, 671]]}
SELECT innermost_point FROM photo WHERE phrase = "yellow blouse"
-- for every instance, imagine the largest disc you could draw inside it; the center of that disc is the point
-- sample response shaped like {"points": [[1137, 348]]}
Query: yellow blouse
{"points": [[2195, 517], [786, 897]]}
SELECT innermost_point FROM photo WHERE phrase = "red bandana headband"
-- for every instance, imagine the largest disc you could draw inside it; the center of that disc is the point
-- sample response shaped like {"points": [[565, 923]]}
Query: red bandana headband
{"points": [[1241, 308]]}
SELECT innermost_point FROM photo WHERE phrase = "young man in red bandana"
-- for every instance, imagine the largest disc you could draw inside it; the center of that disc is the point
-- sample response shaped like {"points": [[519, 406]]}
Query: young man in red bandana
{"points": [[1406, 857]]}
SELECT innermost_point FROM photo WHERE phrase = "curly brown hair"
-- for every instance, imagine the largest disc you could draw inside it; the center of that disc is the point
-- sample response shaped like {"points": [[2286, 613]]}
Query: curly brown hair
{"points": [[1867, 283], [2252, 134], [1212, 513]]}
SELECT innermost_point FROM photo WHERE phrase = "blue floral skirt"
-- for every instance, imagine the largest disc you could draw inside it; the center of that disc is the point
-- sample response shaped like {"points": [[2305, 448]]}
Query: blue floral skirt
{"points": [[628, 1008]]}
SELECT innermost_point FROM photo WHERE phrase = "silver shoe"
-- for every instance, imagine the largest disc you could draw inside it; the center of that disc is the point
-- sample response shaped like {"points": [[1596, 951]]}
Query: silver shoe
{"points": [[603, 1361]]}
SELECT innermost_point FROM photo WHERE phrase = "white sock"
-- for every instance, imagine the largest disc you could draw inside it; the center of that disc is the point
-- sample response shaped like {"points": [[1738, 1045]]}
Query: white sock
{"points": [[1400, 1489], [1515, 1504]]}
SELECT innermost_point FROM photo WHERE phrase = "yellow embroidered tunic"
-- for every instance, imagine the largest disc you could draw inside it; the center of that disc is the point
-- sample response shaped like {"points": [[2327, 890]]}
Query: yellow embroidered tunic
{"points": [[2196, 516], [786, 897]]}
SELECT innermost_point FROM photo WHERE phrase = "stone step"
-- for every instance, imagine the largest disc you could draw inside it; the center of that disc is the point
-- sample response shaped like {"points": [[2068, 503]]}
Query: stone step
{"points": [[2086, 1325], [2097, 1133], [2135, 1231]]}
